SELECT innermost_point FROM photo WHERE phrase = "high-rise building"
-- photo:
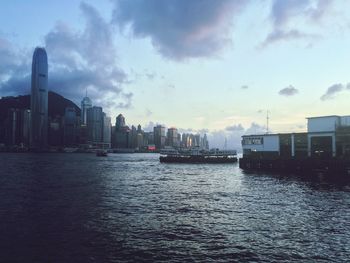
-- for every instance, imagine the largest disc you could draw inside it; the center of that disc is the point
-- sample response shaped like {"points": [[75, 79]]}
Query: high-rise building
{"points": [[95, 125], [205, 142], [159, 136], [70, 127], [172, 137], [107, 129], [122, 134], [86, 104], [39, 100], [120, 121]]}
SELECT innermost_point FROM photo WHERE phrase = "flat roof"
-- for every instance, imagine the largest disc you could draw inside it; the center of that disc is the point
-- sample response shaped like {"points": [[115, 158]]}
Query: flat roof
{"points": [[273, 134], [276, 134], [327, 116], [319, 117]]}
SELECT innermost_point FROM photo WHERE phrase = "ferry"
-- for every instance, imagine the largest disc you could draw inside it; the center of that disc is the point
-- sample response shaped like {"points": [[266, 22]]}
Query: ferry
{"points": [[196, 155]]}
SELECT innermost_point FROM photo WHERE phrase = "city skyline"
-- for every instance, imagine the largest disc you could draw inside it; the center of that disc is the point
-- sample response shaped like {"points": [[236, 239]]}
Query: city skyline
{"points": [[212, 76]]}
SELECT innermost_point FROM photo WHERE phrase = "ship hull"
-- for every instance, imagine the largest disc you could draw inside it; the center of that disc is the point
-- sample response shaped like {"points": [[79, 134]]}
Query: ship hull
{"points": [[197, 159]]}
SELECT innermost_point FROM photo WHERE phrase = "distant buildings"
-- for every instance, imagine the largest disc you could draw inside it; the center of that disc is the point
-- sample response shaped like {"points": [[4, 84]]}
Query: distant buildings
{"points": [[39, 100], [70, 127], [124, 138], [172, 138], [107, 131], [159, 136], [17, 127], [85, 105], [98, 128], [121, 134], [25, 125]]}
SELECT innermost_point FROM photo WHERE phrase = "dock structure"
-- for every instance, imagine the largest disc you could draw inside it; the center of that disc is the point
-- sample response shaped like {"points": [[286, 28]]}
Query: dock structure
{"points": [[324, 147]]}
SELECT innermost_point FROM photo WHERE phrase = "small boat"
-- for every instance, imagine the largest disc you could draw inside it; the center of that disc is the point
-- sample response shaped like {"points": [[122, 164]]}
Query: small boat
{"points": [[101, 153]]}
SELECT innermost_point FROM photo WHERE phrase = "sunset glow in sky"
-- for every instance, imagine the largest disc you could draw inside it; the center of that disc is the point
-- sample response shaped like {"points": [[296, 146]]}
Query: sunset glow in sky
{"points": [[193, 64]]}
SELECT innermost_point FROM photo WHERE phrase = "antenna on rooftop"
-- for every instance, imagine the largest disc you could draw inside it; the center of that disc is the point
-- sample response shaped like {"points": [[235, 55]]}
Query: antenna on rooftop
{"points": [[86, 92], [267, 121]]}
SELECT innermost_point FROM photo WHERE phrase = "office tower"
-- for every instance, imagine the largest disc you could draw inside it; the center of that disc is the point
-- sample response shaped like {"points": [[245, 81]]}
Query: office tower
{"points": [[120, 121], [39, 100], [107, 129], [172, 137], [159, 136], [205, 142], [55, 134], [123, 138], [95, 125], [197, 140], [133, 137], [26, 115], [12, 127], [140, 137], [86, 104], [70, 127]]}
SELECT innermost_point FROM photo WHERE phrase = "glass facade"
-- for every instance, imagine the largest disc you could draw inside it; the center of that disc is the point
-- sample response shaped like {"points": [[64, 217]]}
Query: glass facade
{"points": [[39, 100]]}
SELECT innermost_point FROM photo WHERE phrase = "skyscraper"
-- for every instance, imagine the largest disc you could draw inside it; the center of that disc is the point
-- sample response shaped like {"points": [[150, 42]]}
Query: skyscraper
{"points": [[95, 125], [39, 100], [159, 136], [107, 129], [70, 129], [172, 137], [86, 104], [120, 121]]}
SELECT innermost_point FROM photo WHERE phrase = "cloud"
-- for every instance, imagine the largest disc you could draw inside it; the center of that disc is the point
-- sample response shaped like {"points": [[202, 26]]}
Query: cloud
{"points": [[245, 87], [236, 127], [233, 134], [148, 112], [180, 29], [288, 91], [286, 14], [77, 60], [279, 35], [332, 90], [148, 127], [255, 129]]}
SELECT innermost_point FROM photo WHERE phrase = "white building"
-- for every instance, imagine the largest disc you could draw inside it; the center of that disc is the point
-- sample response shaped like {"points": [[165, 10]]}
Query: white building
{"points": [[326, 136]]}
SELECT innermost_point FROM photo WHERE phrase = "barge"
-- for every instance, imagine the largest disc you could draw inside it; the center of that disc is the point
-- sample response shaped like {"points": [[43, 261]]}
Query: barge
{"points": [[198, 156]]}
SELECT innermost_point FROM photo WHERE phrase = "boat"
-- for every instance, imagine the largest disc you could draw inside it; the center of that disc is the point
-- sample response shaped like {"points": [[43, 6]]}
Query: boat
{"points": [[101, 153], [198, 156]]}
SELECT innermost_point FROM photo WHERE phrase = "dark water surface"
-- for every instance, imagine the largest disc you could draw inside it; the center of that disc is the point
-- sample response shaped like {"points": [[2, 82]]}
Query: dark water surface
{"points": [[131, 208]]}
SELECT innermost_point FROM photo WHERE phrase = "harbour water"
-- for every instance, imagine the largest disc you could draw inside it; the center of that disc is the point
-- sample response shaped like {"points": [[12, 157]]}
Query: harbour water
{"points": [[132, 208]]}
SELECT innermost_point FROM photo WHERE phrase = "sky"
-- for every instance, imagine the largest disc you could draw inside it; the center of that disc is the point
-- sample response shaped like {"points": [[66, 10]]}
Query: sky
{"points": [[198, 65]]}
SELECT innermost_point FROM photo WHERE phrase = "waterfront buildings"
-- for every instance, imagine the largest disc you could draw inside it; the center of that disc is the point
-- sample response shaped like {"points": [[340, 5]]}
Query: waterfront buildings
{"points": [[70, 127], [159, 136], [95, 125], [39, 100], [326, 137], [172, 138], [107, 130], [122, 138]]}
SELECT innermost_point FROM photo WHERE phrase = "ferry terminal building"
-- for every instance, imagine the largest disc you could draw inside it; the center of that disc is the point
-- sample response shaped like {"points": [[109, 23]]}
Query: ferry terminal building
{"points": [[326, 137]]}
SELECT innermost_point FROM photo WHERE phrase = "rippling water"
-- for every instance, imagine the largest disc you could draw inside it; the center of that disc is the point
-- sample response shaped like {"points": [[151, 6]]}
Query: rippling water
{"points": [[83, 208]]}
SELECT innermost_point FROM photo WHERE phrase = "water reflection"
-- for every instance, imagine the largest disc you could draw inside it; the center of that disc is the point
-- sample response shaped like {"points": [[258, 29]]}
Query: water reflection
{"points": [[72, 208]]}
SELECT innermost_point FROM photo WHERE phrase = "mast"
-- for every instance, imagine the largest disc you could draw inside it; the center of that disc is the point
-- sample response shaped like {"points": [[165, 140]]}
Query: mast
{"points": [[267, 122]]}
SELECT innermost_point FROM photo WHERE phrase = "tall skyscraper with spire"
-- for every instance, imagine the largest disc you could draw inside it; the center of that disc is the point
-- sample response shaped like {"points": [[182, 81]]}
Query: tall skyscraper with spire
{"points": [[39, 100], [86, 104]]}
